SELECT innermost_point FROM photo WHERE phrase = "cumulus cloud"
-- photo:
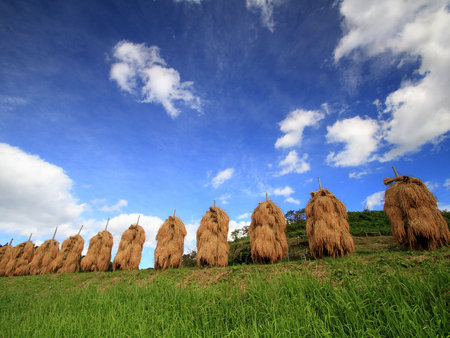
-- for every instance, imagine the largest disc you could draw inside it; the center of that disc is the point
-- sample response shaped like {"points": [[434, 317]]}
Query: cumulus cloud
{"points": [[286, 191], [444, 207], [222, 176], [292, 163], [233, 225], [294, 124], [357, 174], [360, 138], [410, 29], [266, 8], [292, 200], [376, 199], [35, 196], [116, 207], [141, 71], [244, 216]]}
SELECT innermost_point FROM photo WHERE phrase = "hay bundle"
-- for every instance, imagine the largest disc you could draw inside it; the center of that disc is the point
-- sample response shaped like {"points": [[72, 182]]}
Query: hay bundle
{"points": [[44, 257], [6, 254], [19, 264], [327, 225], [416, 222], [99, 252], [170, 246], [129, 254], [212, 243], [68, 257], [267, 238]]}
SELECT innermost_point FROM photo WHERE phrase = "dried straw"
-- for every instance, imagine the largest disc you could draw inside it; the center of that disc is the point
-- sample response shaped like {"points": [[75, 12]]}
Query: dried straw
{"points": [[6, 254], [44, 257], [19, 264], [67, 260], [327, 226], [129, 254], [212, 243], [416, 222], [267, 238], [98, 256], [170, 244]]}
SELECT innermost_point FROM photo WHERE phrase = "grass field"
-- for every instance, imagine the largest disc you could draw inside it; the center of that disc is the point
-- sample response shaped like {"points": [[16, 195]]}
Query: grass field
{"points": [[377, 291]]}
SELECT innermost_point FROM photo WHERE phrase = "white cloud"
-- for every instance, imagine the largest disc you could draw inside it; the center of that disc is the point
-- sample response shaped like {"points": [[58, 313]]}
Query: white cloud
{"points": [[286, 191], [431, 185], [116, 207], [294, 124], [357, 175], [222, 176], [292, 163], [141, 71], [233, 225], [360, 138], [35, 196], [292, 200], [224, 198], [376, 199], [266, 8], [415, 29], [444, 206], [447, 184], [244, 216]]}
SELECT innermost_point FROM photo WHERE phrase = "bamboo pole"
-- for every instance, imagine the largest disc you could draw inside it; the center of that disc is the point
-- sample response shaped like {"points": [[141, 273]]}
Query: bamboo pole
{"points": [[30, 236], [10, 242], [320, 184], [80, 229], [107, 222], [174, 210], [137, 223], [54, 234], [267, 197], [395, 171], [214, 203]]}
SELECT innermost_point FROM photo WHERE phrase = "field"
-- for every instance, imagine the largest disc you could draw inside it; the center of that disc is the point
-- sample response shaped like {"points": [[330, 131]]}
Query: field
{"points": [[380, 290]]}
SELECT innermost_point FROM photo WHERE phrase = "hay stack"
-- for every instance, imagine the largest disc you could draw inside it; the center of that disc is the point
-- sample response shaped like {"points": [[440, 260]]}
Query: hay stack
{"points": [[6, 254], [327, 225], [267, 238], [416, 222], [212, 243], [129, 254], [68, 257], [44, 257], [170, 246], [19, 264], [99, 252]]}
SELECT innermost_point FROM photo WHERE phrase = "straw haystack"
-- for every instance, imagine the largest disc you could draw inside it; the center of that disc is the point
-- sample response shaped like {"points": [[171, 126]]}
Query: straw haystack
{"points": [[98, 256], [44, 256], [327, 226], [212, 243], [6, 254], [267, 238], [19, 264], [170, 246], [68, 257], [416, 222], [129, 254]]}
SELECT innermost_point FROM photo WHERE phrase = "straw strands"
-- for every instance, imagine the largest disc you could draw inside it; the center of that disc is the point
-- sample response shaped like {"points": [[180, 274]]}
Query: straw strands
{"points": [[212, 244], [6, 254], [19, 264], [44, 256], [170, 243], [68, 257], [327, 226], [129, 254], [98, 256], [416, 223], [267, 238]]}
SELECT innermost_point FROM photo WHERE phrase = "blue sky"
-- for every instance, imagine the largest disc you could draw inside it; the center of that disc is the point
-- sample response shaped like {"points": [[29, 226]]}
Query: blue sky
{"points": [[112, 109]]}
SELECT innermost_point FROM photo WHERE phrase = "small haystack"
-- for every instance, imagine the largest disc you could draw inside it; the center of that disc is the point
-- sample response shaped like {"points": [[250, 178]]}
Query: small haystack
{"points": [[327, 225], [19, 264], [212, 243], [68, 257], [416, 222], [170, 246], [129, 254], [6, 253], [44, 256], [267, 238], [98, 256]]}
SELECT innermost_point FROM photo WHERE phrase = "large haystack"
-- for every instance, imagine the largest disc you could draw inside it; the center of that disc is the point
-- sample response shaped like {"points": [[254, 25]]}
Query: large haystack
{"points": [[327, 226], [170, 246], [19, 264], [44, 256], [267, 238], [129, 254], [416, 222], [68, 257], [98, 256], [212, 243], [6, 254]]}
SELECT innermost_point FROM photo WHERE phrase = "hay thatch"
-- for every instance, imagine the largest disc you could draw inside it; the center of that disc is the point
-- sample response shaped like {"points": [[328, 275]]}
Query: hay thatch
{"points": [[267, 238], [212, 243], [19, 264], [327, 226], [98, 256], [129, 254], [44, 257], [68, 257], [170, 246], [416, 222], [6, 254]]}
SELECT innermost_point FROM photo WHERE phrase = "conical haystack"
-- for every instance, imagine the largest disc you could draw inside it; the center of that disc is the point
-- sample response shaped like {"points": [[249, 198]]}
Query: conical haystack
{"points": [[6, 254], [267, 238], [416, 222], [327, 226], [68, 257], [212, 243], [170, 246], [129, 254], [99, 252], [44, 256], [19, 264]]}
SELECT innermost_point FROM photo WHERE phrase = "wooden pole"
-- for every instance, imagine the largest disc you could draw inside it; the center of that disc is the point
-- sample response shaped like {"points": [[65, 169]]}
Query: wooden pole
{"points": [[10, 242], [30, 236], [320, 184], [54, 234], [214, 203], [395, 171], [107, 222], [137, 223], [174, 210], [82, 225], [267, 197]]}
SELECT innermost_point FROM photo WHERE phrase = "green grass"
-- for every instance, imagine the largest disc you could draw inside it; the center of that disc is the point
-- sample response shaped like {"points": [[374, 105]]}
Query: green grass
{"points": [[373, 292]]}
